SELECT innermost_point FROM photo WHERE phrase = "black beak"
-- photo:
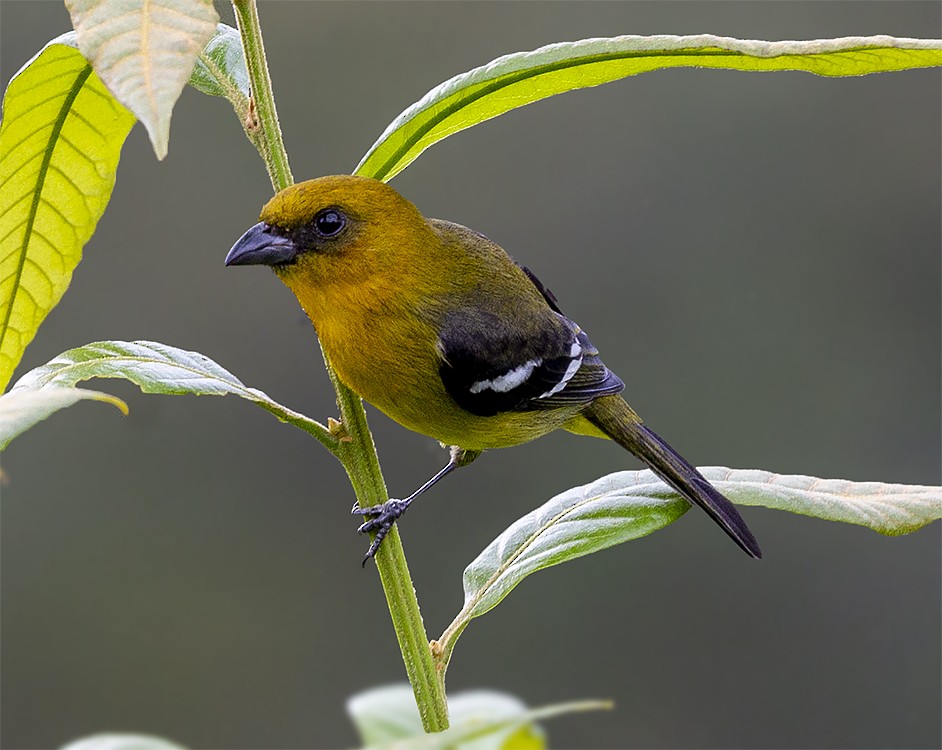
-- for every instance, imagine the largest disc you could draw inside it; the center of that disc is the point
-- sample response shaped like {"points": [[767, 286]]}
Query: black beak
{"points": [[260, 246]]}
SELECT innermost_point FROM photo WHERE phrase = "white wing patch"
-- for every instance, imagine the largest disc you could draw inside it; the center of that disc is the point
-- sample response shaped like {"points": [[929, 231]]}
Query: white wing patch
{"points": [[509, 380], [575, 352], [519, 375]]}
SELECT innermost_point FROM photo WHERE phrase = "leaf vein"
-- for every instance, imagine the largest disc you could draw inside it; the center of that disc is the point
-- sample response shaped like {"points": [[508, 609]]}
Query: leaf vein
{"points": [[507, 564], [77, 86], [88, 123]]}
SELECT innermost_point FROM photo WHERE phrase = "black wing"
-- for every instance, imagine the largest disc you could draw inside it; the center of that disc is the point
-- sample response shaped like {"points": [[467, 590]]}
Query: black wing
{"points": [[489, 366]]}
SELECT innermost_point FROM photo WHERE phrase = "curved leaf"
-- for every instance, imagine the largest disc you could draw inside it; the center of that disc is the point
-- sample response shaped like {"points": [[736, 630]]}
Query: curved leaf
{"points": [[20, 410], [630, 504], [157, 368], [144, 52], [60, 141], [220, 68], [526, 77]]}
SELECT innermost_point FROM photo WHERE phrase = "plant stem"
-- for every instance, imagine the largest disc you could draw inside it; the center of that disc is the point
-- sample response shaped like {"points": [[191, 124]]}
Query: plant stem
{"points": [[357, 451], [271, 145], [359, 459]]}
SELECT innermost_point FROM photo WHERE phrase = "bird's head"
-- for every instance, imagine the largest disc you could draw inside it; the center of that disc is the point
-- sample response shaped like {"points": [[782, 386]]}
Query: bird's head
{"points": [[338, 231]]}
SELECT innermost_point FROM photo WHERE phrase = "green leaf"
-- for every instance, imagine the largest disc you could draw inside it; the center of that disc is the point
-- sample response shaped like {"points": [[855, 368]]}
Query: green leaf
{"points": [[890, 509], [157, 368], [526, 77], [220, 68], [122, 742], [614, 509], [144, 52], [20, 410], [386, 717], [629, 504], [60, 141]]}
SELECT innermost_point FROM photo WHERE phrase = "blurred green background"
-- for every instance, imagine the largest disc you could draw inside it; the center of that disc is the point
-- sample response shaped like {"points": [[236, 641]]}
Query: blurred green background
{"points": [[758, 257]]}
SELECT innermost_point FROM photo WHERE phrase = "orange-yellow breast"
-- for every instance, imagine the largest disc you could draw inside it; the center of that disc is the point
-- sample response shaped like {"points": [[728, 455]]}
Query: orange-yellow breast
{"points": [[381, 336]]}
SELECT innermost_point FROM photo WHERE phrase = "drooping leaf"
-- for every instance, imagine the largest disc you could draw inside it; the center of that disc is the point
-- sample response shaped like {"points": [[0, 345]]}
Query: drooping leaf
{"points": [[525, 77], [630, 504], [60, 140], [144, 51], [387, 717], [220, 68], [20, 410], [157, 368], [122, 742]]}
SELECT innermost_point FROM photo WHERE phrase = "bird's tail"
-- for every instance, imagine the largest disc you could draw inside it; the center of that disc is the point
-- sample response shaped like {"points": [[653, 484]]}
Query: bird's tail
{"points": [[613, 416]]}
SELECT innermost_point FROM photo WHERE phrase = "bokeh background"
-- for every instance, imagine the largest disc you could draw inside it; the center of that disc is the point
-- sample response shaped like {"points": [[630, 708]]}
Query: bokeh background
{"points": [[758, 256]]}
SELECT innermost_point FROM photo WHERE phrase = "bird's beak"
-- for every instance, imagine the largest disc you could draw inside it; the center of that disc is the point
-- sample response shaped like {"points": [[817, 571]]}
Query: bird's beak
{"points": [[261, 246]]}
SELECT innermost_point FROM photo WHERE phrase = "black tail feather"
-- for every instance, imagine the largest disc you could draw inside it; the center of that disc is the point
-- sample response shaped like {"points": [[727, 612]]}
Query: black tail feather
{"points": [[617, 420]]}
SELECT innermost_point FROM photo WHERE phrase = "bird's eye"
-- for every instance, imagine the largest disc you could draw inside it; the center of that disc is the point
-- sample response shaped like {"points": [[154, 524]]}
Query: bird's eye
{"points": [[329, 222]]}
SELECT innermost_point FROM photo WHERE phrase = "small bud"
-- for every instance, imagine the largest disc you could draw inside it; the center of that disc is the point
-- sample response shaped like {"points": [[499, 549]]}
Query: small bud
{"points": [[337, 429], [251, 123]]}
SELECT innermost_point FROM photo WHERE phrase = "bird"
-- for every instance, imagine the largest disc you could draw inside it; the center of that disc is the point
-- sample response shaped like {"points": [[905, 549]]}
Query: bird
{"points": [[436, 326]]}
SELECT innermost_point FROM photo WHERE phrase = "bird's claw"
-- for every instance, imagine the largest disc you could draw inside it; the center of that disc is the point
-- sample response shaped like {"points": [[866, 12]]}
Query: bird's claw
{"points": [[380, 519]]}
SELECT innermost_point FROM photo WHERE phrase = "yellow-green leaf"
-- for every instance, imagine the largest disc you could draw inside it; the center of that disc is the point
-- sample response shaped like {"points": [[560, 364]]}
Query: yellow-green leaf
{"points": [[144, 51], [60, 140], [526, 77]]}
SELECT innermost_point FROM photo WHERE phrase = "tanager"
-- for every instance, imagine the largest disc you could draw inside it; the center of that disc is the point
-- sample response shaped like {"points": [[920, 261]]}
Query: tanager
{"points": [[439, 328]]}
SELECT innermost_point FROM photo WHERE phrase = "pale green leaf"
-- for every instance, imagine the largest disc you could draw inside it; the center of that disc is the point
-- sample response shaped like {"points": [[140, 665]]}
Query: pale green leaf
{"points": [[387, 717], [890, 509], [473, 710], [60, 141], [21, 409], [629, 504], [385, 714], [220, 68], [122, 742], [526, 77], [614, 509], [144, 51], [517, 731], [157, 368]]}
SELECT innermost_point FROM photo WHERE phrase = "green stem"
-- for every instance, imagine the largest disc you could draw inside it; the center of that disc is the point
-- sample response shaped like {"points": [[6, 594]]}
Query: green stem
{"points": [[271, 146], [357, 451], [359, 459]]}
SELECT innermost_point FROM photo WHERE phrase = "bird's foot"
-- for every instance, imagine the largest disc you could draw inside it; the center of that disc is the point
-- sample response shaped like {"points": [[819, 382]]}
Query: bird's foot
{"points": [[381, 519]]}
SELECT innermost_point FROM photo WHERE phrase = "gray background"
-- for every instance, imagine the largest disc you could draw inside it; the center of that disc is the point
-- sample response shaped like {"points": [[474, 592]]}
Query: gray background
{"points": [[758, 256]]}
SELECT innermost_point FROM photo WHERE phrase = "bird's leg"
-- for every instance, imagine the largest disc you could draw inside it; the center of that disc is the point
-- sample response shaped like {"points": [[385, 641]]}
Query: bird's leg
{"points": [[383, 516]]}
